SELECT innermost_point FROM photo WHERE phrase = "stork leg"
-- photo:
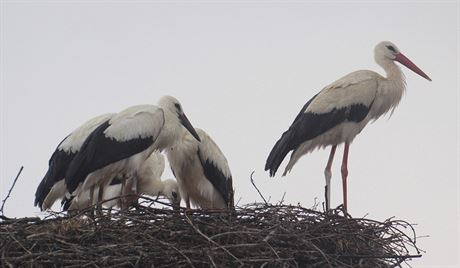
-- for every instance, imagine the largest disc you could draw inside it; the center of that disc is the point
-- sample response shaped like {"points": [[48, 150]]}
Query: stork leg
{"points": [[132, 192], [135, 185], [100, 199], [187, 203], [121, 203], [91, 200], [344, 170], [328, 175], [91, 194], [134, 200]]}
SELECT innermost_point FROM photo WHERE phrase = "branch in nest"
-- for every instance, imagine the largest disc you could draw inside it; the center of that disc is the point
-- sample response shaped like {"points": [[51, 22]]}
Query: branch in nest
{"points": [[254, 184], [11, 189]]}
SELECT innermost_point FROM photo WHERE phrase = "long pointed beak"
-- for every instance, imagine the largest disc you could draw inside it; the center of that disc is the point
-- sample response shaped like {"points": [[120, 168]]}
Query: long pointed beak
{"points": [[409, 64], [186, 123]]}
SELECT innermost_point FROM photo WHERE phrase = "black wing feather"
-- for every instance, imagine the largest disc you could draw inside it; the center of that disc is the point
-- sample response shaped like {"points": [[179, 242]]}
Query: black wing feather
{"points": [[99, 151], [216, 177], [282, 146], [307, 126], [66, 202], [58, 164]]}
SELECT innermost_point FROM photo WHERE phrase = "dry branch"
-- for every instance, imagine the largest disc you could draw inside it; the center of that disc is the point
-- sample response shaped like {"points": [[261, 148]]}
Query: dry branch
{"points": [[11, 189]]}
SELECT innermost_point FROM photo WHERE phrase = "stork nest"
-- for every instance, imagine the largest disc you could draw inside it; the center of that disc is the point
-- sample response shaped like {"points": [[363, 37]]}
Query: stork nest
{"points": [[254, 235]]}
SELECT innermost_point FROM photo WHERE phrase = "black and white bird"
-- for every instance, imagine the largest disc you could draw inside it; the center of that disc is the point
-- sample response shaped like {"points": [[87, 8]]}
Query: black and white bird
{"points": [[341, 110], [52, 187], [148, 182], [202, 172], [122, 144]]}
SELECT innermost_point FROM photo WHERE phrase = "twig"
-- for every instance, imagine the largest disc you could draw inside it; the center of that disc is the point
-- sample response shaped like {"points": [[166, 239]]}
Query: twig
{"points": [[212, 261], [9, 192], [211, 241], [382, 256], [253, 183], [323, 254], [282, 199], [178, 251]]}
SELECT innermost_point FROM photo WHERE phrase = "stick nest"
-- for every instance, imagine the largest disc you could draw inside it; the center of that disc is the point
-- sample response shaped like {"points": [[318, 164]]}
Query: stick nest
{"points": [[254, 235]]}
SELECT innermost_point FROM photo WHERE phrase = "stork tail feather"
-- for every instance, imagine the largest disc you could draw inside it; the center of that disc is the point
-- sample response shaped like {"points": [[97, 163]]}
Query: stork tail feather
{"points": [[279, 152]]}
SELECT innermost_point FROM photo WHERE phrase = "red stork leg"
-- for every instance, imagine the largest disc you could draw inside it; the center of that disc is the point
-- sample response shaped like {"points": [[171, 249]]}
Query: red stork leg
{"points": [[328, 175], [345, 175]]}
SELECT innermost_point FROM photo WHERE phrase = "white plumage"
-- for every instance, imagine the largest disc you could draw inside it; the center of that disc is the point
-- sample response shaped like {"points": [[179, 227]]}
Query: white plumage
{"points": [[202, 172], [121, 145], [148, 182], [53, 187], [140, 121], [341, 110]]}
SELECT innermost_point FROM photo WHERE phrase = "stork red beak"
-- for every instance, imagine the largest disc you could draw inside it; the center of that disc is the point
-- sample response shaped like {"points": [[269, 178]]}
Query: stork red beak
{"points": [[409, 64]]}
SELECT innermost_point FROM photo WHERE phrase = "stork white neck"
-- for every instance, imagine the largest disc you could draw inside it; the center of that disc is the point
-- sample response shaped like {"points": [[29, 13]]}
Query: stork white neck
{"points": [[395, 80], [390, 89], [393, 72]]}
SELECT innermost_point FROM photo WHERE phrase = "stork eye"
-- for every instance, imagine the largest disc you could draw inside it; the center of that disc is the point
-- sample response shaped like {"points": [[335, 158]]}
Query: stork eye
{"points": [[391, 48], [174, 195], [178, 107]]}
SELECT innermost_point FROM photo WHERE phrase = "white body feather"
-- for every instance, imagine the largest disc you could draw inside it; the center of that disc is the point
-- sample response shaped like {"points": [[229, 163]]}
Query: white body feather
{"points": [[58, 191], [148, 182], [75, 140], [185, 163]]}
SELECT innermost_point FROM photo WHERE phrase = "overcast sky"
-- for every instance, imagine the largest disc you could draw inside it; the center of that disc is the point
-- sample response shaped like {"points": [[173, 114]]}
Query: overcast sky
{"points": [[242, 72]]}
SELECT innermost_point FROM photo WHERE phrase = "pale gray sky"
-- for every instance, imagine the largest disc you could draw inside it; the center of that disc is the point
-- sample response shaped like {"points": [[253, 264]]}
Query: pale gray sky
{"points": [[242, 71]]}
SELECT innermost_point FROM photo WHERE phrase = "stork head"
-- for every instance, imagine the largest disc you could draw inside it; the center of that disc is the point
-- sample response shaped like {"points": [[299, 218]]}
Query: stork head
{"points": [[172, 105], [171, 191], [386, 50]]}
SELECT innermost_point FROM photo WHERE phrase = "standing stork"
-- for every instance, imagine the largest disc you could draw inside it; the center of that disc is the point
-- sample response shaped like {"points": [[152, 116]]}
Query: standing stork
{"points": [[122, 144], [52, 186], [341, 110], [202, 172]]}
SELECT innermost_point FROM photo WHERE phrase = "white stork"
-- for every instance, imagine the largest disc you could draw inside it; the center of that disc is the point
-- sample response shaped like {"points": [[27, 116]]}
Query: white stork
{"points": [[122, 144], [341, 110], [202, 172], [148, 182], [52, 186]]}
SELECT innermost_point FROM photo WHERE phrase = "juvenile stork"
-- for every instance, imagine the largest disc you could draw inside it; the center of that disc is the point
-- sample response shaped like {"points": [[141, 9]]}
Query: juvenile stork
{"points": [[148, 182], [341, 110], [202, 172], [122, 144], [52, 186]]}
